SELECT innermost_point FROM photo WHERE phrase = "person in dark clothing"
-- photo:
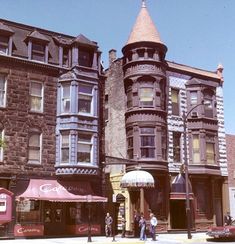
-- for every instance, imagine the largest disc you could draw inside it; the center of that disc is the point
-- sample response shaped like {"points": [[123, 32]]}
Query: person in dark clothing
{"points": [[136, 223], [142, 224], [108, 225], [123, 223], [228, 219]]}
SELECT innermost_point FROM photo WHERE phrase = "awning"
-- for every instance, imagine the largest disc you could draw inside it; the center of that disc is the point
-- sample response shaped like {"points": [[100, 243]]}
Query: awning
{"points": [[63, 191], [178, 190], [137, 178]]}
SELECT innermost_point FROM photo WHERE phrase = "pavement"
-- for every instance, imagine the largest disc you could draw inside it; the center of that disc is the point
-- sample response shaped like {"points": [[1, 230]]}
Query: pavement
{"points": [[161, 238]]}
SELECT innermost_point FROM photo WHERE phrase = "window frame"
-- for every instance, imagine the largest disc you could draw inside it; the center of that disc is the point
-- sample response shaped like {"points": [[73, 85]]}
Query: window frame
{"points": [[85, 62], [4, 44], [90, 96], [150, 99], [3, 78], [196, 151], [36, 96], [130, 143], [67, 147], [38, 148], [175, 105], [177, 148], [65, 99], [38, 53]]}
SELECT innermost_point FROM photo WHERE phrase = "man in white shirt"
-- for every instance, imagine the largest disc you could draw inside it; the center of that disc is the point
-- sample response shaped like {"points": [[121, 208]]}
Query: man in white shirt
{"points": [[153, 224]]}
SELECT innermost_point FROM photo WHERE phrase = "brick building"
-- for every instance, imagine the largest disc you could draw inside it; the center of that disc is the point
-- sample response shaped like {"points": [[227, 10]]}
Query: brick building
{"points": [[145, 98], [49, 111], [230, 143]]}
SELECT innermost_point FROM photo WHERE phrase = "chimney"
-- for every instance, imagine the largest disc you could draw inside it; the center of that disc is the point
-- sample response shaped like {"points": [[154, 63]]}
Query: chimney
{"points": [[112, 56]]}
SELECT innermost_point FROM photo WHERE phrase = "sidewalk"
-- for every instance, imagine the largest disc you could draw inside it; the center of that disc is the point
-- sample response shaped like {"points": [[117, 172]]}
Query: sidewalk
{"points": [[161, 238]]}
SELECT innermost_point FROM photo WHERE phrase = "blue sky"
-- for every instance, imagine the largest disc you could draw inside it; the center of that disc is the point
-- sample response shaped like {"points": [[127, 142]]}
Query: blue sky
{"points": [[198, 33]]}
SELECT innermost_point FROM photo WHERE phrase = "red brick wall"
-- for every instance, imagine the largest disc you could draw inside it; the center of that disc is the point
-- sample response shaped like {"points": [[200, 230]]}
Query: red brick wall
{"points": [[230, 144]]}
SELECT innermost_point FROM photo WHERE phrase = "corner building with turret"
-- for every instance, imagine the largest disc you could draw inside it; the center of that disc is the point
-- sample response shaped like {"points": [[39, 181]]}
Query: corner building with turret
{"points": [[145, 99]]}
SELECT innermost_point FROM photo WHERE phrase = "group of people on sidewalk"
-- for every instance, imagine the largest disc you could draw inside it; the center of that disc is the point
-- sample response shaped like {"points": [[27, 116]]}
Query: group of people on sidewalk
{"points": [[140, 225]]}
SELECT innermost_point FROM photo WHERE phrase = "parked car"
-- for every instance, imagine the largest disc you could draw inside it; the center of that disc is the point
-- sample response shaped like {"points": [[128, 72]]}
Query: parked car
{"points": [[227, 231]]}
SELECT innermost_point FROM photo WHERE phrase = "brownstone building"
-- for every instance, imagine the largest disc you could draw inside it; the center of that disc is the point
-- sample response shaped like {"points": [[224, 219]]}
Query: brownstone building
{"points": [[49, 108], [230, 143], [146, 97]]}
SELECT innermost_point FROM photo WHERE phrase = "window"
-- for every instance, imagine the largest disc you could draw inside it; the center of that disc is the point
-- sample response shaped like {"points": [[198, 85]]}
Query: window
{"points": [[147, 142], [38, 52], [210, 152], [2, 90], [84, 58], [65, 58], [85, 99], [65, 98], [106, 109], [129, 98], [208, 107], [176, 146], [84, 149], [65, 147], [146, 97], [34, 153], [175, 101], [36, 96], [130, 143], [4, 41], [193, 98], [196, 149], [1, 144]]}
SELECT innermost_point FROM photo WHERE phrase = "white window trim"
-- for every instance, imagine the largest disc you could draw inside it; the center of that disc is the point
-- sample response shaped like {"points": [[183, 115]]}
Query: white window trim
{"points": [[1, 149], [92, 101], [5, 89], [42, 96], [62, 99], [91, 163], [60, 161], [40, 151]]}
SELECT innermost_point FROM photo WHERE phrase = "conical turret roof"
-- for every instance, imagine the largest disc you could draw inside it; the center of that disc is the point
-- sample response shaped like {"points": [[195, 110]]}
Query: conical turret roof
{"points": [[144, 28]]}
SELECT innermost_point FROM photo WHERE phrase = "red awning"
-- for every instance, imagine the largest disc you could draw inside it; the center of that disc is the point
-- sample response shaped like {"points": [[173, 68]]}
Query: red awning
{"points": [[52, 190]]}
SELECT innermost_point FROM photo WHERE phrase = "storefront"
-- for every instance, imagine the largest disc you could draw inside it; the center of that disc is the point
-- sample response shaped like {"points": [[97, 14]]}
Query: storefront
{"points": [[57, 208]]}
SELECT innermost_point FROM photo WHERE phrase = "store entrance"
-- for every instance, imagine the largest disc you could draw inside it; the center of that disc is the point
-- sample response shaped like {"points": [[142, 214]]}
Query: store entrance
{"points": [[54, 219], [178, 214]]}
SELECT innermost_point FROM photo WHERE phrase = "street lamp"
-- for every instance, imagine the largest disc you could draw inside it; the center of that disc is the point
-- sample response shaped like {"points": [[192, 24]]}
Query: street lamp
{"points": [[188, 210]]}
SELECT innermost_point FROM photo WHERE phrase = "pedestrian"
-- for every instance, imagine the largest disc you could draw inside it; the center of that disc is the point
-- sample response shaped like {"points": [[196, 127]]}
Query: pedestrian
{"points": [[228, 219], [153, 224], [142, 224], [136, 223], [108, 225], [123, 223]]}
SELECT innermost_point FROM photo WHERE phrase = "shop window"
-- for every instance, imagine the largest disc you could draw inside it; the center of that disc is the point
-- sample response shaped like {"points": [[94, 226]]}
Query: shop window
{"points": [[34, 153], [210, 152], [4, 44], [147, 137], [28, 211], [3, 85], [146, 97], [1, 144], [38, 52], [36, 96], [193, 98], [85, 58], [65, 98], [175, 101], [65, 147], [84, 149], [196, 149], [176, 146], [130, 143], [85, 99]]}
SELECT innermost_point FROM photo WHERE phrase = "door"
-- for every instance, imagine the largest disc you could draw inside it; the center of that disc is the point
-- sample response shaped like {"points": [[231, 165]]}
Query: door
{"points": [[178, 214]]}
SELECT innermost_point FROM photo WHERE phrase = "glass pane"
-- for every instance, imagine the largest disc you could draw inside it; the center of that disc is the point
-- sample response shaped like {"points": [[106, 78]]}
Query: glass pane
{"points": [[36, 103], [84, 138], [174, 96], [84, 104], [2, 83], [147, 130], [34, 141], [85, 89], [36, 89], [65, 140], [65, 155], [195, 142], [66, 91], [34, 155], [193, 97], [2, 98], [147, 153], [146, 94], [196, 157], [84, 58], [84, 148], [38, 47], [147, 141]]}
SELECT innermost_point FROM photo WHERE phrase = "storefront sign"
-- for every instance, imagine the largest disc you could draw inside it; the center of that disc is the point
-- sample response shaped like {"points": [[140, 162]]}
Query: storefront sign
{"points": [[23, 206], [82, 229], [28, 230], [5, 206]]}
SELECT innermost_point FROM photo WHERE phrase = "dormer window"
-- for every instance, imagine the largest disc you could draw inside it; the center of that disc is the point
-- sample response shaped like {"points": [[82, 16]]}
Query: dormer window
{"points": [[4, 44], [65, 59], [85, 58], [38, 52]]}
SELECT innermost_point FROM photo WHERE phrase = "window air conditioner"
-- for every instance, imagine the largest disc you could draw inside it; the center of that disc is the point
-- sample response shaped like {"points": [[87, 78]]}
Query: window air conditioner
{"points": [[194, 114]]}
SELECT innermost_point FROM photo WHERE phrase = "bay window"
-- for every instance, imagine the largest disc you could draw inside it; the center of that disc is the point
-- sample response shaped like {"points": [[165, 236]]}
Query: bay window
{"points": [[84, 148], [85, 97], [146, 96], [65, 147], [147, 137], [196, 149], [130, 143], [65, 98]]}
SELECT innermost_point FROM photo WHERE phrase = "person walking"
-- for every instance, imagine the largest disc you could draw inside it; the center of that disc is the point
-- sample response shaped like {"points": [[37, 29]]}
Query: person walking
{"points": [[228, 219], [136, 223], [142, 224], [108, 225], [153, 224], [123, 223]]}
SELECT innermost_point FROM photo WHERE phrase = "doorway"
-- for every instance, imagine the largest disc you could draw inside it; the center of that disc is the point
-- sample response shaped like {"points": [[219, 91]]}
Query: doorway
{"points": [[178, 214]]}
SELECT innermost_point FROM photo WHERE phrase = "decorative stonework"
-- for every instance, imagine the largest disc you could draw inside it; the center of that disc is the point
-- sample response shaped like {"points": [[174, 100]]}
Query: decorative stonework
{"points": [[76, 171], [144, 68]]}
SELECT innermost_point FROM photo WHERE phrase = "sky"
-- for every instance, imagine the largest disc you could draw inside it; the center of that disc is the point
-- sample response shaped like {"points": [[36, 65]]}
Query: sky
{"points": [[198, 33]]}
